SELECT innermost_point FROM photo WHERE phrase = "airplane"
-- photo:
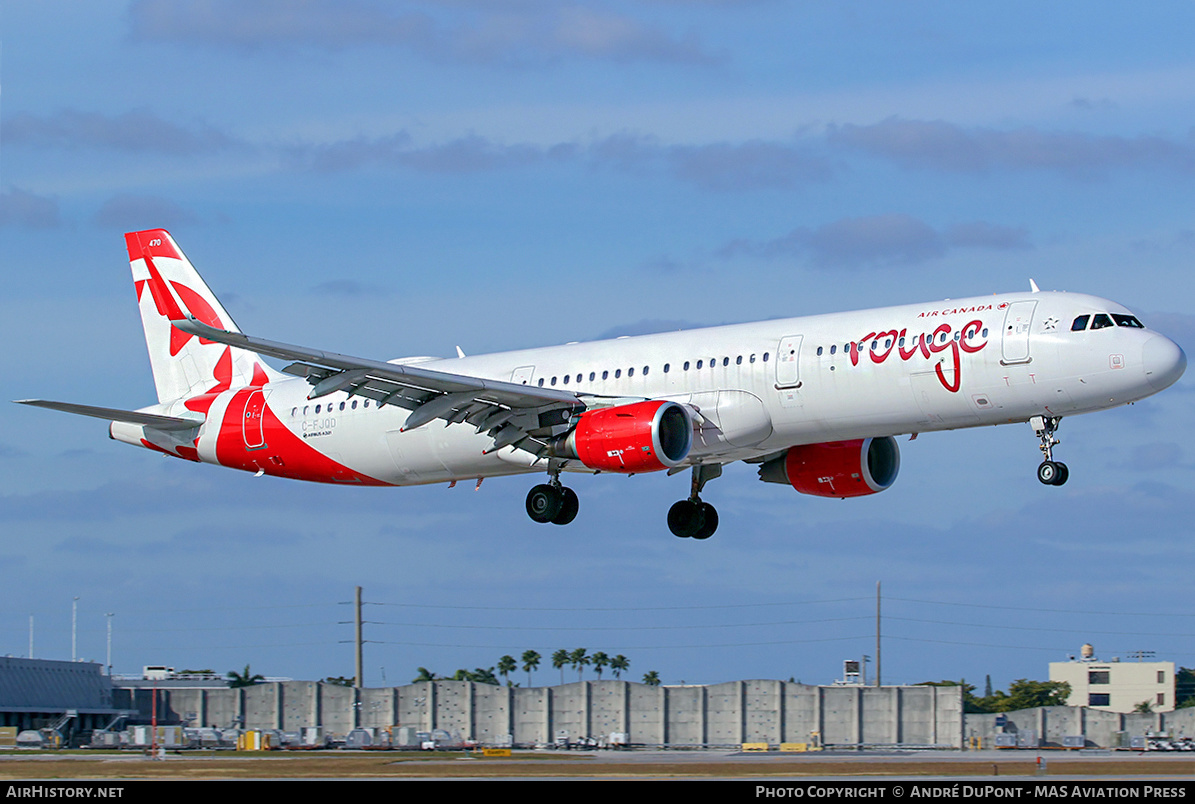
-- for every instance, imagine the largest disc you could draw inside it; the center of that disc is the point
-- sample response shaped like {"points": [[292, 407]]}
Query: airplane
{"points": [[815, 402]]}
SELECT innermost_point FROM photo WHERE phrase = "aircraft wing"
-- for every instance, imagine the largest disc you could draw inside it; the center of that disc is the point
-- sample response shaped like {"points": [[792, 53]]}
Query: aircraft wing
{"points": [[154, 420], [522, 415]]}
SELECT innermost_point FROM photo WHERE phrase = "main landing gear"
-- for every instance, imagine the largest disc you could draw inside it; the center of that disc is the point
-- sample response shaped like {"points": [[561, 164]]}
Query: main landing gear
{"points": [[1050, 472], [552, 502], [693, 518]]}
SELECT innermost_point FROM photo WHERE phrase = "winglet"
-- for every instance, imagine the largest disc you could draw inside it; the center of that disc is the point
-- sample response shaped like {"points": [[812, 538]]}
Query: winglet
{"points": [[1033, 286]]}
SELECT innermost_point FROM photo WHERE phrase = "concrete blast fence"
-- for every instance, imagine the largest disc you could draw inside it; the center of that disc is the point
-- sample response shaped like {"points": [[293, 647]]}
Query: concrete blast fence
{"points": [[718, 715]]}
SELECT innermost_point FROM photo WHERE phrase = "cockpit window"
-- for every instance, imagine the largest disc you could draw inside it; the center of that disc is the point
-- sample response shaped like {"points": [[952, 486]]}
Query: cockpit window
{"points": [[1101, 320], [1080, 323], [1123, 320]]}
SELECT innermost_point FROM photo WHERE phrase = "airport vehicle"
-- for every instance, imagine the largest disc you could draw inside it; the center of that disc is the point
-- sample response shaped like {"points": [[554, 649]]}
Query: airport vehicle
{"points": [[816, 402]]}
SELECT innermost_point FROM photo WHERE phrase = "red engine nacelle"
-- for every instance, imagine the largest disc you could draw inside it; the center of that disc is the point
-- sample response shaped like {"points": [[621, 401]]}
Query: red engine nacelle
{"points": [[838, 468], [640, 437]]}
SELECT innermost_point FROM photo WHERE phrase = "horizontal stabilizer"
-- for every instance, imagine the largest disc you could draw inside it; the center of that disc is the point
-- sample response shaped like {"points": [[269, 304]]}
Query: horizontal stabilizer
{"points": [[154, 420]]}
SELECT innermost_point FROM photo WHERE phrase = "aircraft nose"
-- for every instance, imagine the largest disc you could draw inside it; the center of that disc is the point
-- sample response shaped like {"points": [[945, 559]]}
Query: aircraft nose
{"points": [[1163, 362]]}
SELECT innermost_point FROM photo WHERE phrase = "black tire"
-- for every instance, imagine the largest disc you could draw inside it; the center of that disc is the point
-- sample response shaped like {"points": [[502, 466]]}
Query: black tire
{"points": [[1048, 473], [568, 508], [685, 519], [709, 523], [544, 503], [1063, 474]]}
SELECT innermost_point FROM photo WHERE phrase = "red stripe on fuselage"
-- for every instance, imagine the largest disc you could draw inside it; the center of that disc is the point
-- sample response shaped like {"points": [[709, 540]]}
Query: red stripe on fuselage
{"points": [[283, 455]]}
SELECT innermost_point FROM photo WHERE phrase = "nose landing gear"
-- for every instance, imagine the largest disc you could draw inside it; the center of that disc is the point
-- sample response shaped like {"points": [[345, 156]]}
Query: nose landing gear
{"points": [[1050, 472], [693, 518]]}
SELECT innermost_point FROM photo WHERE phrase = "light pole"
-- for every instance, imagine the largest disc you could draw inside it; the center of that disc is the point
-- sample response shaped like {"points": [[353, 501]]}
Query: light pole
{"points": [[74, 629], [109, 616]]}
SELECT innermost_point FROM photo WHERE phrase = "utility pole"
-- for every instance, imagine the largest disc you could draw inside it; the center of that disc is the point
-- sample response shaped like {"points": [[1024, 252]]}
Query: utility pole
{"points": [[360, 671], [877, 633], [30, 636]]}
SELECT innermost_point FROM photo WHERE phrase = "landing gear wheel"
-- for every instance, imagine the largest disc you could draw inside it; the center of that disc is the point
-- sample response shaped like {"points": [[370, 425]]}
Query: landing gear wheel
{"points": [[709, 524], [544, 503], [686, 519], [568, 507], [1052, 473]]}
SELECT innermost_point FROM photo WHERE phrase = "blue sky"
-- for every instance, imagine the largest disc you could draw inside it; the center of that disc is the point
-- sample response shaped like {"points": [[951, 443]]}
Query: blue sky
{"points": [[392, 179]]}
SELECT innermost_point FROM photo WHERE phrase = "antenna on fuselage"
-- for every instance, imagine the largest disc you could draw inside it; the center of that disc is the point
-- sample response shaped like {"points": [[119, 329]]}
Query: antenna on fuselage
{"points": [[1033, 286]]}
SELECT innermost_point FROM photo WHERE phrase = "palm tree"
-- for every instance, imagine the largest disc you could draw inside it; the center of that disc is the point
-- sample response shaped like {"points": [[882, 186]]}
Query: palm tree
{"points": [[618, 664], [424, 675], [530, 662], [651, 679], [245, 679], [599, 660], [559, 660], [506, 666], [578, 660]]}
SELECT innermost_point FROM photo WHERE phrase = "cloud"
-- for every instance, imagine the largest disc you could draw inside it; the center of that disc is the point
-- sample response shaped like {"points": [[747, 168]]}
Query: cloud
{"points": [[138, 131], [347, 287], [472, 154], [938, 145], [24, 209], [514, 34], [648, 326], [720, 167], [142, 211], [751, 165], [879, 240]]}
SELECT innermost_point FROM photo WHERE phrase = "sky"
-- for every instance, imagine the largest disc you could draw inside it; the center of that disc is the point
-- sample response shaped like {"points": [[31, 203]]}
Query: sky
{"points": [[389, 179]]}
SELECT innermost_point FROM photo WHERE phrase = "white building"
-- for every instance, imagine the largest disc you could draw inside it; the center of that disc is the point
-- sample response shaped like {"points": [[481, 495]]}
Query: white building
{"points": [[1116, 686]]}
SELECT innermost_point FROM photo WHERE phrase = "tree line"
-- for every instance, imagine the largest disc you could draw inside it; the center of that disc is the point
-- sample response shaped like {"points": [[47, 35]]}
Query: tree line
{"points": [[577, 659]]}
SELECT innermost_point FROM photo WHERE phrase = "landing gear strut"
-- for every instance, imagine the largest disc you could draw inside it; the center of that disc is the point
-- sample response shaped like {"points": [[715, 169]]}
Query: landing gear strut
{"points": [[693, 518], [552, 502], [1050, 472]]}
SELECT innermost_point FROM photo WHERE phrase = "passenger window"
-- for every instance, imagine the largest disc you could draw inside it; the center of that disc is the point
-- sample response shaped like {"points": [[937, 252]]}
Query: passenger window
{"points": [[751, 359], [566, 379], [765, 357], [553, 381], [738, 361], [541, 385], [666, 367], [605, 375], [699, 363], [833, 348], [592, 374], [1080, 323], [541, 382], [645, 368], [819, 351], [686, 366], [617, 373], [1101, 321], [631, 372], [726, 361]]}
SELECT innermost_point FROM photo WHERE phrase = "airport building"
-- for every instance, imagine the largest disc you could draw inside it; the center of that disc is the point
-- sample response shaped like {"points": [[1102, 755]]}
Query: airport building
{"points": [[1117, 686], [66, 697]]}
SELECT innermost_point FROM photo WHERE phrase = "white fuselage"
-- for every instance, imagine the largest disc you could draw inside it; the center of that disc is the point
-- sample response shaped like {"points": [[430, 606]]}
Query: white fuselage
{"points": [[758, 388]]}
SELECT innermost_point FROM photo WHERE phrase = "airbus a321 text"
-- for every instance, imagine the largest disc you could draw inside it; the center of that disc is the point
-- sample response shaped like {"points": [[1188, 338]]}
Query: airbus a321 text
{"points": [[815, 402]]}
